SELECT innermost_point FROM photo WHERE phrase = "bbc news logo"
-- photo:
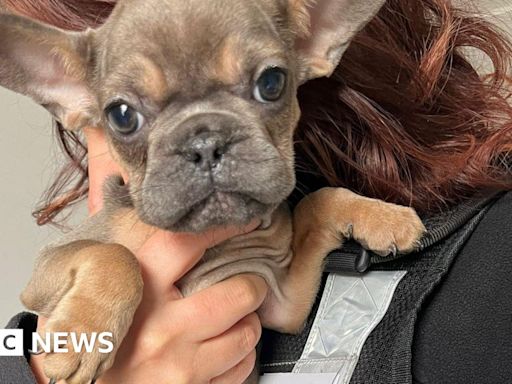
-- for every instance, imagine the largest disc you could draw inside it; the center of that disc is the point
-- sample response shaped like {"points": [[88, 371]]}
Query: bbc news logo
{"points": [[11, 342]]}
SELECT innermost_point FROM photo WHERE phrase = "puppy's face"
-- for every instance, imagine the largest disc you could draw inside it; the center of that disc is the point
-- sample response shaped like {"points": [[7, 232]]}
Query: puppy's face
{"points": [[200, 108], [198, 98]]}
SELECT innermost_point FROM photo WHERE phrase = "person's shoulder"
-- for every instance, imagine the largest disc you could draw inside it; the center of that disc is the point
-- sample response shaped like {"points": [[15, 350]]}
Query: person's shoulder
{"points": [[502, 204], [496, 225], [490, 244], [469, 313]]}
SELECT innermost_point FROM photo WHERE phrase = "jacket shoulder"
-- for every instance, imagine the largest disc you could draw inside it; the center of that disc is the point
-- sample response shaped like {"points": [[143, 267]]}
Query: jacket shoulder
{"points": [[464, 332]]}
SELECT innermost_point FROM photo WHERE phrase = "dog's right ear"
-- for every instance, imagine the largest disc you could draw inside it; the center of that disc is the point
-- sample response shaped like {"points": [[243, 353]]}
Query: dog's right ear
{"points": [[325, 29], [49, 65]]}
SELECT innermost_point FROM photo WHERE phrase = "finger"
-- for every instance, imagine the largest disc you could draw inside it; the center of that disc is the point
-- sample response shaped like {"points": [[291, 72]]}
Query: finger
{"points": [[226, 351], [239, 373], [216, 309], [100, 166]]}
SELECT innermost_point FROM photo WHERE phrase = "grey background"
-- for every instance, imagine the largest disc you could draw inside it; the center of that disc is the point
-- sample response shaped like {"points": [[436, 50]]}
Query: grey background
{"points": [[28, 159]]}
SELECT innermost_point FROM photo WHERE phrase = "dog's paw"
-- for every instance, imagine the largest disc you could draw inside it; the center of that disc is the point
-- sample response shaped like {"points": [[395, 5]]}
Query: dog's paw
{"points": [[327, 216], [82, 354], [89, 292], [385, 228]]}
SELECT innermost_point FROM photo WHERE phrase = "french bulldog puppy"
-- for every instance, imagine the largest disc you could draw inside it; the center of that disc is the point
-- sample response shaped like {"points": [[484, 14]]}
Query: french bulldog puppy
{"points": [[198, 101]]}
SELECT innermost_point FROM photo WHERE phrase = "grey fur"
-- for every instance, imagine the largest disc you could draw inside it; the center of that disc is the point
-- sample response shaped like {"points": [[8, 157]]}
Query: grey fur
{"points": [[190, 68]]}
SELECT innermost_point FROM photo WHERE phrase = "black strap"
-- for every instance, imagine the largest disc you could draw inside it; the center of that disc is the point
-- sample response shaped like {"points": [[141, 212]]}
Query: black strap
{"points": [[352, 258]]}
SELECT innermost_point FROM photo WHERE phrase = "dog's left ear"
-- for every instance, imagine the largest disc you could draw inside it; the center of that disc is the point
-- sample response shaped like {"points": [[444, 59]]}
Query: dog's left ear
{"points": [[49, 65], [325, 29]]}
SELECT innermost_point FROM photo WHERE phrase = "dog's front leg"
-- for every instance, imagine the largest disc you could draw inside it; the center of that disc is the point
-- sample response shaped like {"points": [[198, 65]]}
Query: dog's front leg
{"points": [[84, 287], [321, 222]]}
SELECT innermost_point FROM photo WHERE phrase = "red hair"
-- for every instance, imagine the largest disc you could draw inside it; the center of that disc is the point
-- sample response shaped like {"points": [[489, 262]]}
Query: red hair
{"points": [[405, 118]]}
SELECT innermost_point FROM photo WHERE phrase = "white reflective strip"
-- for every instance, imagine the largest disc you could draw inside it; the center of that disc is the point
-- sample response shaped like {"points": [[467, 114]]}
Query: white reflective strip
{"points": [[350, 308], [297, 378]]}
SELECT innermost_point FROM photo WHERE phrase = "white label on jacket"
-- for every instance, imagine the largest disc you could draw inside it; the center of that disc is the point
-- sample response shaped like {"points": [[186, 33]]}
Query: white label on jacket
{"points": [[350, 308]]}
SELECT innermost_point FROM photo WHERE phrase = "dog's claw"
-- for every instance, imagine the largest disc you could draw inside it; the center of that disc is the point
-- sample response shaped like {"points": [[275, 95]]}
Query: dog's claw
{"points": [[350, 231], [35, 353], [393, 250]]}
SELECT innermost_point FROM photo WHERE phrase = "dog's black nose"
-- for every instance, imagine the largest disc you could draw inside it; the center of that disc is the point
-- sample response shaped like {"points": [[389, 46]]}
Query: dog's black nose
{"points": [[206, 150]]}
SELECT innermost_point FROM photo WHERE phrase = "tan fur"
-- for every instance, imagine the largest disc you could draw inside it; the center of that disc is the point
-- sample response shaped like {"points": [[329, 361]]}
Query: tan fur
{"points": [[75, 119], [300, 18], [228, 69], [71, 293], [322, 221], [71, 61], [153, 81]]}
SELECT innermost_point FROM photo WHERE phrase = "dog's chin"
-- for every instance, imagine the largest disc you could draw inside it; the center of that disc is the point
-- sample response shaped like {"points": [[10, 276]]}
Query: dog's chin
{"points": [[217, 210]]}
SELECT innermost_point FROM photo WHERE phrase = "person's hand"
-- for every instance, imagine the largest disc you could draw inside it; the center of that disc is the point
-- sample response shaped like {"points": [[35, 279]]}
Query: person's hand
{"points": [[209, 337], [206, 338]]}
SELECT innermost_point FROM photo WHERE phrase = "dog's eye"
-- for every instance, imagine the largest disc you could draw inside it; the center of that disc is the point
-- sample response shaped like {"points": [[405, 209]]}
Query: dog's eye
{"points": [[270, 85], [124, 119]]}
